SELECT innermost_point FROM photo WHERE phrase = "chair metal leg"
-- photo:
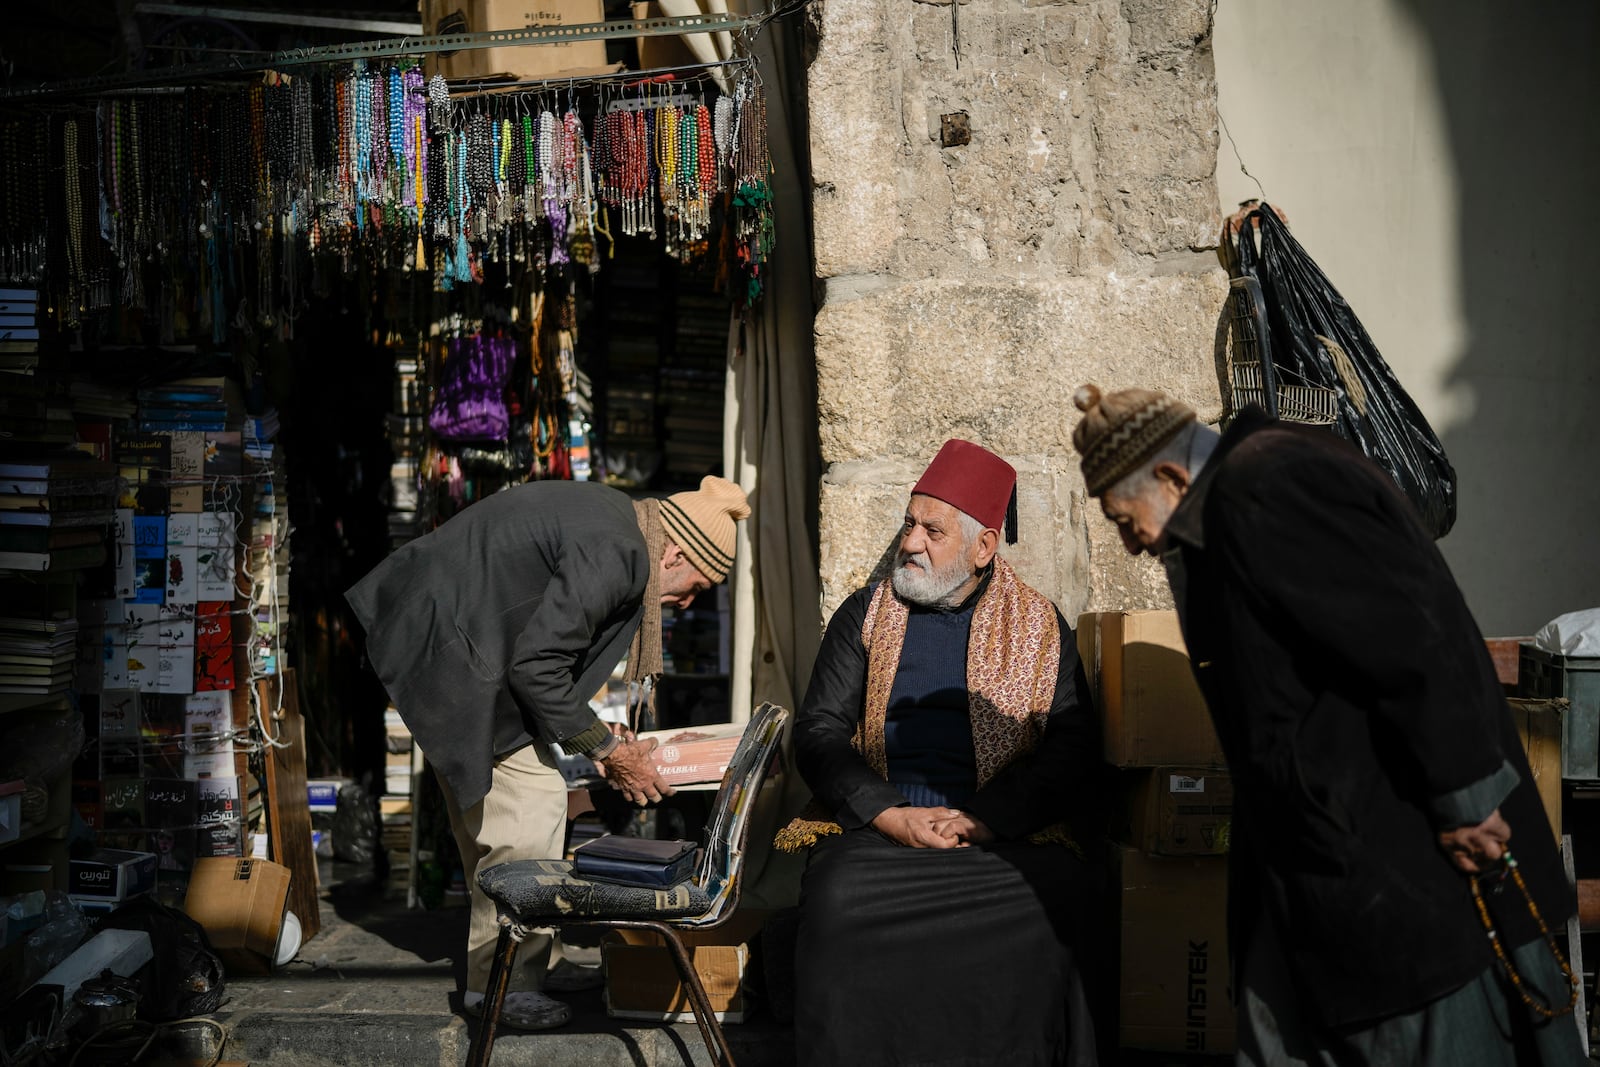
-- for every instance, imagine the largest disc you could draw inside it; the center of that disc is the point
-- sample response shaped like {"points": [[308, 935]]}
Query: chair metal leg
{"points": [[505, 953], [710, 1029]]}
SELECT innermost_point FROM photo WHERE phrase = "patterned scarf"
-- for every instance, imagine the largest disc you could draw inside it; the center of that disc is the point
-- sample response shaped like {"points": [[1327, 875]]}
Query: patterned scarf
{"points": [[644, 652], [1013, 656]]}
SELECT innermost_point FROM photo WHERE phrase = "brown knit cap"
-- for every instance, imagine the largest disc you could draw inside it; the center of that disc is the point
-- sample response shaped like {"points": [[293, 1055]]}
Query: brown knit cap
{"points": [[700, 522], [1119, 432]]}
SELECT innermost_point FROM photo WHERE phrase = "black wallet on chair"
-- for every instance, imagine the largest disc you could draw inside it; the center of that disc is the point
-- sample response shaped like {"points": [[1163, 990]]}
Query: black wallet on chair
{"points": [[636, 861]]}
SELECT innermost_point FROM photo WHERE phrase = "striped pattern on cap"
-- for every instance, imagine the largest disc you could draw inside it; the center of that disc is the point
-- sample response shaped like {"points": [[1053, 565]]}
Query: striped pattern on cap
{"points": [[1121, 431], [700, 522]]}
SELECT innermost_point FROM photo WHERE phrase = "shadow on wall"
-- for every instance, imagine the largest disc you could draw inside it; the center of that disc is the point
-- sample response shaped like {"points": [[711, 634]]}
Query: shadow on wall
{"points": [[1519, 88]]}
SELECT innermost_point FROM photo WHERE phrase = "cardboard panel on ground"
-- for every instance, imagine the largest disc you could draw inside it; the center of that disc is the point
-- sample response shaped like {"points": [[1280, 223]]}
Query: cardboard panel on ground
{"points": [[288, 810], [642, 981], [1151, 710], [1174, 994]]}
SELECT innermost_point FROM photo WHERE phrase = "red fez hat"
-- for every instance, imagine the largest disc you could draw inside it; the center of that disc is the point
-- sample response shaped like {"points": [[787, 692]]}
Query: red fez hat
{"points": [[972, 479]]}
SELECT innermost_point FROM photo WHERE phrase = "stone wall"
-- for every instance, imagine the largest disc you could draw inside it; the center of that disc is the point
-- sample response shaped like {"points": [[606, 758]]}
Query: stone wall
{"points": [[969, 288]]}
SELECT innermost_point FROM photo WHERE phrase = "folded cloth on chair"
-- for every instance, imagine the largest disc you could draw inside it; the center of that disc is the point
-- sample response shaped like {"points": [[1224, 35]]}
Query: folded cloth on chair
{"points": [[635, 861]]}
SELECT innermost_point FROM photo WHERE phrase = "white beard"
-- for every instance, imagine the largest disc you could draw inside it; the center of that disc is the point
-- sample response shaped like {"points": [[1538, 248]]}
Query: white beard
{"points": [[927, 585]]}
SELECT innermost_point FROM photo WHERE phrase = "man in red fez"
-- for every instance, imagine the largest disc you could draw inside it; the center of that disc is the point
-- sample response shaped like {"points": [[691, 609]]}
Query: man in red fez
{"points": [[950, 744]]}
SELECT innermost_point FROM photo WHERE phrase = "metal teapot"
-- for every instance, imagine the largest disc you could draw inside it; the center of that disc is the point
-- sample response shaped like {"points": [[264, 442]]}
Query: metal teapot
{"points": [[107, 999]]}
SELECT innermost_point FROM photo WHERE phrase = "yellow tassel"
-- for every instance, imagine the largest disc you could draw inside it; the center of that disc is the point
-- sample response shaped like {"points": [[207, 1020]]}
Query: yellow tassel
{"points": [[802, 834]]}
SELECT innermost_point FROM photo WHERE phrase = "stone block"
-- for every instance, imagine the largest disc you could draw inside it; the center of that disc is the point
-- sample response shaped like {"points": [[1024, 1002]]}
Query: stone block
{"points": [[904, 367], [1167, 32]]}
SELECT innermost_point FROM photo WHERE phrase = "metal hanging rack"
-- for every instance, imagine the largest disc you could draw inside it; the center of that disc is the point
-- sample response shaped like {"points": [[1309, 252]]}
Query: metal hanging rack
{"points": [[396, 46]]}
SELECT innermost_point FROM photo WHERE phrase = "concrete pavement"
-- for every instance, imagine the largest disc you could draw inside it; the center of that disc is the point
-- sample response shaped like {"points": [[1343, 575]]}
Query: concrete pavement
{"points": [[378, 986]]}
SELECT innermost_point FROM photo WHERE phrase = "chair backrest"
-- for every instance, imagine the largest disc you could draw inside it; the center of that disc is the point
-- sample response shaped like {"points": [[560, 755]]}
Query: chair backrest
{"points": [[729, 822]]}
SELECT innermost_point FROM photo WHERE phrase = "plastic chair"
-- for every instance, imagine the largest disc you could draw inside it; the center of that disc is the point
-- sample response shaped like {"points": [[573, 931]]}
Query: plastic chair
{"points": [[540, 893]]}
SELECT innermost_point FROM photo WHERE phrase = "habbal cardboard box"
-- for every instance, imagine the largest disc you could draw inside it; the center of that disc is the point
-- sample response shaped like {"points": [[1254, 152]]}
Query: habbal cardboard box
{"points": [[1151, 710], [696, 753], [1177, 811], [522, 61], [240, 902], [1539, 724], [1174, 994], [643, 983]]}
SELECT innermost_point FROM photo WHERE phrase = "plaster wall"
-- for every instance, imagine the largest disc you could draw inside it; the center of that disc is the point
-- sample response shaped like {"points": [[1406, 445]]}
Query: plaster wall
{"points": [[1436, 160], [968, 289]]}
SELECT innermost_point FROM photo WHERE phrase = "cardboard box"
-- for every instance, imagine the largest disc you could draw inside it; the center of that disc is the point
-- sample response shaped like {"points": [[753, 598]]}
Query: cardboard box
{"points": [[1178, 811], [657, 52], [1174, 994], [695, 754], [94, 907], [1539, 724], [240, 902], [112, 874], [517, 62], [1151, 710], [642, 981], [322, 794]]}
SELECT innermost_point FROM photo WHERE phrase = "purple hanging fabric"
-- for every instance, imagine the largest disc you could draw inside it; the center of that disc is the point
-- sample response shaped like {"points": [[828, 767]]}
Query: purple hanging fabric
{"points": [[471, 405]]}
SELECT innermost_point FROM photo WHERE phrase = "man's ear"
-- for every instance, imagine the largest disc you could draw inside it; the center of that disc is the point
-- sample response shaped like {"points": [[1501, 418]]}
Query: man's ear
{"points": [[671, 556], [1174, 475], [988, 544]]}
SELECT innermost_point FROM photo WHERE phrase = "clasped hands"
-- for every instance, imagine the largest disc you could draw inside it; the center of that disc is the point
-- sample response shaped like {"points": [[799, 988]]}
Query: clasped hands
{"points": [[931, 827], [1474, 849], [630, 769]]}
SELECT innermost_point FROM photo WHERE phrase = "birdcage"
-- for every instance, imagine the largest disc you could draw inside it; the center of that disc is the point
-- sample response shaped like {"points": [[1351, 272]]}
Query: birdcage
{"points": [[1253, 377]]}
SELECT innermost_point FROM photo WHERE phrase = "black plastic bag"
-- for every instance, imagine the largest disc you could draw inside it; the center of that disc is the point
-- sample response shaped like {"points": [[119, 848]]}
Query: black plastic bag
{"points": [[1314, 334], [355, 825], [185, 978]]}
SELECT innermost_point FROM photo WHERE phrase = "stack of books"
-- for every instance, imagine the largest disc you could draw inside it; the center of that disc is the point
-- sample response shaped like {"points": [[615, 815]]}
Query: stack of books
{"points": [[198, 404], [54, 511], [37, 656], [19, 332], [93, 400]]}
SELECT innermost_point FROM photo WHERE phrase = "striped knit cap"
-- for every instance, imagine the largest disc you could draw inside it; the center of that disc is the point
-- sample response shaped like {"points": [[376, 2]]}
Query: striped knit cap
{"points": [[1119, 432], [700, 522]]}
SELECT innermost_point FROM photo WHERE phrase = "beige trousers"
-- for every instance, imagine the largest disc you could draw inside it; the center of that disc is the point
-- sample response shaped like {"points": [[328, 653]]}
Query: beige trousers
{"points": [[523, 817]]}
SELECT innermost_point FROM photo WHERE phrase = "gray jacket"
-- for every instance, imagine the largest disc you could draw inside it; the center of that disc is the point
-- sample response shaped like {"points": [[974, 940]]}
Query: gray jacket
{"points": [[498, 627]]}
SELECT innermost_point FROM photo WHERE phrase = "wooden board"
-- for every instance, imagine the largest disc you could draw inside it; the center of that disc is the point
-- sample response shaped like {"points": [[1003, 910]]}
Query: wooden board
{"points": [[288, 810], [1539, 726]]}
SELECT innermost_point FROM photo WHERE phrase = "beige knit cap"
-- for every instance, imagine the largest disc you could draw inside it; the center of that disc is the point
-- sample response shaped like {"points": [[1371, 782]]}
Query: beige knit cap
{"points": [[1119, 432], [700, 522]]}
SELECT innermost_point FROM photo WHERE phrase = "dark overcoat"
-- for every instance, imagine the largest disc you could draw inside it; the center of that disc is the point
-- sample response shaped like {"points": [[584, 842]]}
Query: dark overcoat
{"points": [[1357, 705], [499, 626]]}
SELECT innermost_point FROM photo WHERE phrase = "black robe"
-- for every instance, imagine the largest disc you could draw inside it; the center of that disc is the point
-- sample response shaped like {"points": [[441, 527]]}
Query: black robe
{"points": [[980, 955], [499, 626], [1360, 714]]}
